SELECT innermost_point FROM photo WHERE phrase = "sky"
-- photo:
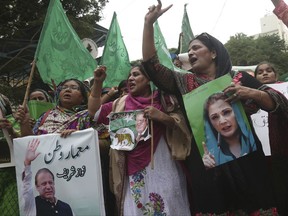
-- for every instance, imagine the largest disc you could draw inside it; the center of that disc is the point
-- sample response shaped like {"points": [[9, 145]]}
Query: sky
{"points": [[220, 18]]}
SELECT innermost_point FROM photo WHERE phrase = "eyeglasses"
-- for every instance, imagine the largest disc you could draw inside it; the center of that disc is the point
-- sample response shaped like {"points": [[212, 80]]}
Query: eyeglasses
{"points": [[73, 87]]}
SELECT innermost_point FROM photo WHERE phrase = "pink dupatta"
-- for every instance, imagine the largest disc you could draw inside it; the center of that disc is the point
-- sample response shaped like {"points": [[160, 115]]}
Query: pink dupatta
{"points": [[140, 157]]}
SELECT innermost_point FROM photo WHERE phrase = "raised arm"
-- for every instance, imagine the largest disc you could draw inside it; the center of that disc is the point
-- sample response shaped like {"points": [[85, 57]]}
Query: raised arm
{"points": [[275, 2], [281, 10], [22, 115], [28, 200], [148, 47], [94, 100]]}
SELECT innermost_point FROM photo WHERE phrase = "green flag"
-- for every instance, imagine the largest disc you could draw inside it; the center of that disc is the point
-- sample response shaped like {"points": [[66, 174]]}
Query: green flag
{"points": [[37, 108], [162, 50], [115, 56], [186, 35], [161, 47], [60, 53]]}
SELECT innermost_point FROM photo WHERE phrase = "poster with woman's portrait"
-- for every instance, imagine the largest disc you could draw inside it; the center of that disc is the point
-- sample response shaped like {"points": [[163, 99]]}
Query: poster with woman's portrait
{"points": [[221, 128]]}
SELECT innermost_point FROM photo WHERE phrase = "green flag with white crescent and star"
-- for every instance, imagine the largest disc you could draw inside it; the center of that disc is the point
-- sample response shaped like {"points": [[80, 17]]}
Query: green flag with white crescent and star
{"points": [[60, 53], [115, 56]]}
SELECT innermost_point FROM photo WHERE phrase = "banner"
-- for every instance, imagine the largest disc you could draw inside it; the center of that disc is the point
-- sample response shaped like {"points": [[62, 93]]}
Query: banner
{"points": [[60, 53], [186, 35], [75, 163], [115, 56], [221, 129], [260, 119]]}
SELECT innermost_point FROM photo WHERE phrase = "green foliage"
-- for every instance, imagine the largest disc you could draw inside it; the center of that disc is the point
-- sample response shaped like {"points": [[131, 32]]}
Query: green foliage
{"points": [[246, 51], [18, 16], [20, 26]]}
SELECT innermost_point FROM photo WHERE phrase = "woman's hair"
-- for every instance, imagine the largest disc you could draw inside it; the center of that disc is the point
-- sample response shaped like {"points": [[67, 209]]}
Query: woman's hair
{"points": [[222, 60], [141, 68], [83, 89], [269, 64], [122, 84], [45, 93]]}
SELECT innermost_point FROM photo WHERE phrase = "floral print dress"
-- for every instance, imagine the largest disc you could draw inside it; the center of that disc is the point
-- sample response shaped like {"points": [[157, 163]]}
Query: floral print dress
{"points": [[158, 191]]}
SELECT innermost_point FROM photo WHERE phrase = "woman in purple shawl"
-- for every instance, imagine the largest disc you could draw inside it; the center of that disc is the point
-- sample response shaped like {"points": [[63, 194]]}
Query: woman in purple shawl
{"points": [[139, 189]]}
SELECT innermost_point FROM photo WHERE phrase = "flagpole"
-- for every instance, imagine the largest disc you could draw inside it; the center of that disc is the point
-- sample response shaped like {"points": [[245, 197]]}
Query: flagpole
{"points": [[152, 138], [29, 83], [180, 40]]}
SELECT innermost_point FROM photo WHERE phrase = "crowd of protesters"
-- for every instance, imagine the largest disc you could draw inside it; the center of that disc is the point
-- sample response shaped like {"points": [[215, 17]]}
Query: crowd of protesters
{"points": [[181, 183]]}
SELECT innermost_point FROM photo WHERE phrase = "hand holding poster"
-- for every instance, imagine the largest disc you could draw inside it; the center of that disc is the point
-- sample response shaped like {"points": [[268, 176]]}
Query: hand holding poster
{"points": [[221, 129], [66, 172], [260, 119]]}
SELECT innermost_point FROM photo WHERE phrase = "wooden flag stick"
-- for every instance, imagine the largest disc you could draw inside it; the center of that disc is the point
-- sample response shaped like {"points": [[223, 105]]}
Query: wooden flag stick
{"points": [[29, 84], [152, 139], [180, 42]]}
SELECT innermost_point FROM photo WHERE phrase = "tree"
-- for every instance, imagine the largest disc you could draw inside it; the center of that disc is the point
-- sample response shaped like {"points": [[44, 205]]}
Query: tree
{"points": [[246, 51], [18, 16], [20, 26]]}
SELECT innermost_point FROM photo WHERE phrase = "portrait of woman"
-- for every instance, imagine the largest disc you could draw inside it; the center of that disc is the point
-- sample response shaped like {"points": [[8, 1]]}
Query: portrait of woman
{"points": [[227, 135]]}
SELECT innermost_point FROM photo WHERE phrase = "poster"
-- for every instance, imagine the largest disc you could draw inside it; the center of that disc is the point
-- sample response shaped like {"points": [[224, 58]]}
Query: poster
{"points": [[260, 119], [127, 129], [221, 129], [75, 163]]}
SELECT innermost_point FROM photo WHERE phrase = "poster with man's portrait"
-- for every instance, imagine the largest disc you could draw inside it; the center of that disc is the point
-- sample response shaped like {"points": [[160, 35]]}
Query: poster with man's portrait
{"points": [[221, 128], [59, 175], [127, 129]]}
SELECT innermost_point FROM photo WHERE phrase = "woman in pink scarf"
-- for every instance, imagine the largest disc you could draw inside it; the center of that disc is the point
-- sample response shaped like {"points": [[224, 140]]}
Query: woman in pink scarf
{"points": [[140, 189]]}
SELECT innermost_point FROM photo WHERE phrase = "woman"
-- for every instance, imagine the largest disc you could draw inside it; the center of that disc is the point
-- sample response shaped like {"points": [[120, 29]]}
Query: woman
{"points": [[39, 95], [143, 190], [240, 184], [266, 73], [227, 135], [68, 116], [278, 127]]}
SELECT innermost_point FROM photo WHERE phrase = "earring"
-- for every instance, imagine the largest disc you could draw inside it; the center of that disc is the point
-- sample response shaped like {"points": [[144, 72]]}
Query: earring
{"points": [[218, 139]]}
